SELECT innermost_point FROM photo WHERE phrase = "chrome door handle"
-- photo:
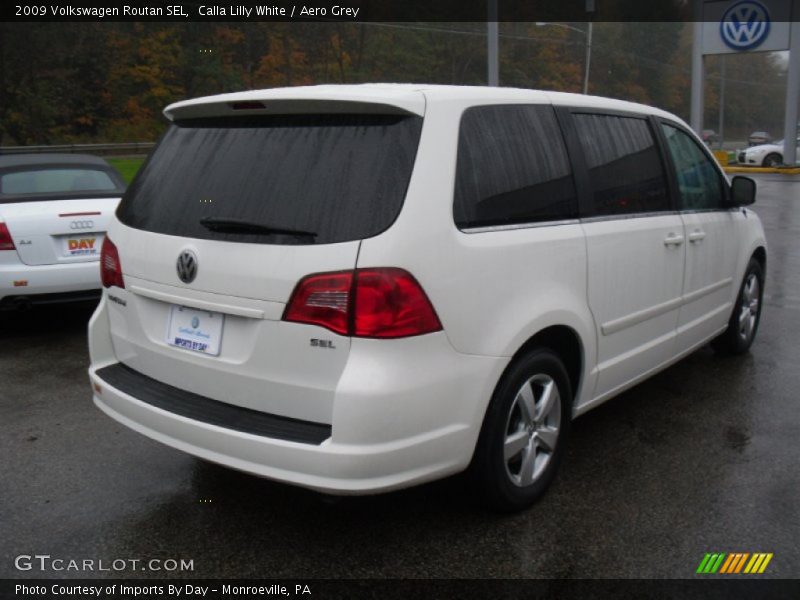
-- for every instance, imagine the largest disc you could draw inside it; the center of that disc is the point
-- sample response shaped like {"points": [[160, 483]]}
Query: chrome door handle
{"points": [[698, 235], [673, 239]]}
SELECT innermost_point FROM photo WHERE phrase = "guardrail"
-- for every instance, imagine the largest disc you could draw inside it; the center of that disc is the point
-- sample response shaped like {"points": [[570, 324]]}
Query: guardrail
{"points": [[98, 149]]}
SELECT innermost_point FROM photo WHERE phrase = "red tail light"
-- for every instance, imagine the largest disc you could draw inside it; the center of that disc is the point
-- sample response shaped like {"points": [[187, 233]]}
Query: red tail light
{"points": [[389, 303], [375, 303], [6, 243], [110, 267], [324, 300]]}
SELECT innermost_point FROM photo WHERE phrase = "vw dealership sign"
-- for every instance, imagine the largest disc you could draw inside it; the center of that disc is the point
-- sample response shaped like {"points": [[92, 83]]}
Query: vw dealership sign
{"points": [[745, 25], [739, 26]]}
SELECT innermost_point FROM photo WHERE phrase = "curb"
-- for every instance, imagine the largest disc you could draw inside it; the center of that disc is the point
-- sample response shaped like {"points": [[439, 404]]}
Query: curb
{"points": [[779, 170]]}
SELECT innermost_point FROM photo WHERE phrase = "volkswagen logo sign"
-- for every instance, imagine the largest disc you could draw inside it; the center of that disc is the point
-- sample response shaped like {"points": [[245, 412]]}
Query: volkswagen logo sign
{"points": [[187, 266], [745, 25], [83, 224]]}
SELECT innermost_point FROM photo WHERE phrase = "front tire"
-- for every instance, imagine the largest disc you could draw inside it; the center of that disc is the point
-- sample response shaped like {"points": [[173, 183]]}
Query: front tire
{"points": [[772, 160], [524, 432], [743, 324]]}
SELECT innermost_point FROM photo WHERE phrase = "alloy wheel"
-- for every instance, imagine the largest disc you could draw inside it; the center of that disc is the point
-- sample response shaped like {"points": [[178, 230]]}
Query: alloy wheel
{"points": [[748, 307], [532, 429]]}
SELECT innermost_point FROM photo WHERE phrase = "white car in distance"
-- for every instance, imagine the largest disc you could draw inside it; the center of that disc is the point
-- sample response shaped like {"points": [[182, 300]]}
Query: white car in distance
{"points": [[765, 155], [54, 210]]}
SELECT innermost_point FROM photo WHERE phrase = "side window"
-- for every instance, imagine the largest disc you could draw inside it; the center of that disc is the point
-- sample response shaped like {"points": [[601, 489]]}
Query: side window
{"points": [[625, 170], [699, 182], [512, 168]]}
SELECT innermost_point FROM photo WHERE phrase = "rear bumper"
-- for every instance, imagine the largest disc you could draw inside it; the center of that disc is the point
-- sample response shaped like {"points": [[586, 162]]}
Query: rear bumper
{"points": [[17, 279], [206, 410], [329, 467], [405, 412]]}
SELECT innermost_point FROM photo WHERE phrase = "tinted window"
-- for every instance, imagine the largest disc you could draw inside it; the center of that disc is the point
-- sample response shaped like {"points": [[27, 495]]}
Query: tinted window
{"points": [[699, 181], [55, 180], [512, 167], [343, 177], [626, 174]]}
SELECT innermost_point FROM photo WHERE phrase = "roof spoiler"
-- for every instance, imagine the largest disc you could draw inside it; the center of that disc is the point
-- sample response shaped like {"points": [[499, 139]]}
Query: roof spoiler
{"points": [[288, 101]]}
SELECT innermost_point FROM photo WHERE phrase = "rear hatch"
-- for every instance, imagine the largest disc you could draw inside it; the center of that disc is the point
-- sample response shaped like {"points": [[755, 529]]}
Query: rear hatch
{"points": [[227, 215], [58, 213]]}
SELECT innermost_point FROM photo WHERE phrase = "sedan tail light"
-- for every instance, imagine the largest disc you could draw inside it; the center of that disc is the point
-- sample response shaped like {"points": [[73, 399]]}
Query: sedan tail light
{"points": [[375, 303], [110, 267], [6, 243]]}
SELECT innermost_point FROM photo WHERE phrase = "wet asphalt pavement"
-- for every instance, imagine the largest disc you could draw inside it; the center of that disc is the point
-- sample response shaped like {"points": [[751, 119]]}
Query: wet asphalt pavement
{"points": [[704, 457]]}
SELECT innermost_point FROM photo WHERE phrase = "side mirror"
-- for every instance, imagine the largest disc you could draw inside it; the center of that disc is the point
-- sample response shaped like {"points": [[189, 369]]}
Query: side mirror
{"points": [[743, 191]]}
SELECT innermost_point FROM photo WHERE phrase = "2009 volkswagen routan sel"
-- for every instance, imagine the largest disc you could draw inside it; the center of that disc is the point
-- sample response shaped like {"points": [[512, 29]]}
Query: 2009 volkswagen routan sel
{"points": [[360, 288]]}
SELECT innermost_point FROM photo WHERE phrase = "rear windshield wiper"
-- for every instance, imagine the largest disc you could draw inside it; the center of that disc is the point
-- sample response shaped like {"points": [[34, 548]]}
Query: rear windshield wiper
{"points": [[243, 226]]}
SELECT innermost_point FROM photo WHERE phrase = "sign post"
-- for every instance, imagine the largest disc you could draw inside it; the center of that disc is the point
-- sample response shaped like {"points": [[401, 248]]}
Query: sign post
{"points": [[735, 26], [790, 129]]}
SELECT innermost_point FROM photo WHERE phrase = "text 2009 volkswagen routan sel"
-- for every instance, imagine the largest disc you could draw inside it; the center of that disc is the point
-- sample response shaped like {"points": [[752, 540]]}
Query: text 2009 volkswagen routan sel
{"points": [[361, 288]]}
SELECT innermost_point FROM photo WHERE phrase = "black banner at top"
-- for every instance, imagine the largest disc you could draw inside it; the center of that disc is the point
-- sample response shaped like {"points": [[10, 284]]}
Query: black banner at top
{"points": [[345, 10]]}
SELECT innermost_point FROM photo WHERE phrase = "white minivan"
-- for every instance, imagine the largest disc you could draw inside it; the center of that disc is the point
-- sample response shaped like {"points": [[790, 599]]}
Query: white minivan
{"points": [[361, 288]]}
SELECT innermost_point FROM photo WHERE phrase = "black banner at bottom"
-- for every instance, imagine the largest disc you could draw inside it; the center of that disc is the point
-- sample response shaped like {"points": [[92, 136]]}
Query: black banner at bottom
{"points": [[415, 589]]}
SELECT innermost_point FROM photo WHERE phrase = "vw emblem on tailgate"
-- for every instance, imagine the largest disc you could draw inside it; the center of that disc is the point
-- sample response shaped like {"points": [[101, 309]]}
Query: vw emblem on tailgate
{"points": [[187, 266], [745, 25], [85, 224]]}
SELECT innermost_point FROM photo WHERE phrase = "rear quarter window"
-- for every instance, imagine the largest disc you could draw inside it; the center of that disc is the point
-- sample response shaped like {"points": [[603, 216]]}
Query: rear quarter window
{"points": [[513, 168], [341, 177]]}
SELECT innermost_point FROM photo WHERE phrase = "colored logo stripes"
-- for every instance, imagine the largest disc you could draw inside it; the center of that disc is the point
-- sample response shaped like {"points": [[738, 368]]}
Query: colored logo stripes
{"points": [[734, 563]]}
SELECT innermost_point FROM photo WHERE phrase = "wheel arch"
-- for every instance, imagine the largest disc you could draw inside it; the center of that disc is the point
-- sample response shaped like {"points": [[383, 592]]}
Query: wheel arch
{"points": [[562, 339], [760, 254], [567, 344], [754, 248]]}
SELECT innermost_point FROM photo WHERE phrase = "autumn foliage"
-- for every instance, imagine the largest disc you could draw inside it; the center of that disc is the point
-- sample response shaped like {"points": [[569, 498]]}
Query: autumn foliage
{"points": [[87, 82]]}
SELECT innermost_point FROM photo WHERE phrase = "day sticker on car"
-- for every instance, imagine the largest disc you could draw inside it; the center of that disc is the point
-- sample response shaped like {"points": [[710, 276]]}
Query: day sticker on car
{"points": [[85, 245], [196, 330]]}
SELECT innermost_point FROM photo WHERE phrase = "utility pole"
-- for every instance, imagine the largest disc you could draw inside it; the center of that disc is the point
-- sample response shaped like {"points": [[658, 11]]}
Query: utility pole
{"points": [[588, 61], [492, 46], [721, 99], [696, 102]]}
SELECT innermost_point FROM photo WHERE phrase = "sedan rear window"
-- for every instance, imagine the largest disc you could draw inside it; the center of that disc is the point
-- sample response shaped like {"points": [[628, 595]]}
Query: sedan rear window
{"points": [[278, 179], [55, 181]]}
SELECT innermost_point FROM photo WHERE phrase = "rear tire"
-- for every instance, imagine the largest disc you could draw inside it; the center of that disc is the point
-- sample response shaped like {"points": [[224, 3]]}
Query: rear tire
{"points": [[743, 324], [772, 160], [524, 432]]}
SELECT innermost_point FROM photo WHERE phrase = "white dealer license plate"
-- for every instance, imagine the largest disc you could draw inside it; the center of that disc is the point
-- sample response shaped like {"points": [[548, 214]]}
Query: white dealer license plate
{"points": [[81, 245], [197, 330]]}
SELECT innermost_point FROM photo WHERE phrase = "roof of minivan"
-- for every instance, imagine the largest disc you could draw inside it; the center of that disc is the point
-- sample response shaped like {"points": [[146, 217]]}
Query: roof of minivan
{"points": [[395, 97]]}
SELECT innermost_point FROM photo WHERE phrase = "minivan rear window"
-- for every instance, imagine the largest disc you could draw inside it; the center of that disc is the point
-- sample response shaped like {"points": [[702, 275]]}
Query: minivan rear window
{"points": [[279, 179]]}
